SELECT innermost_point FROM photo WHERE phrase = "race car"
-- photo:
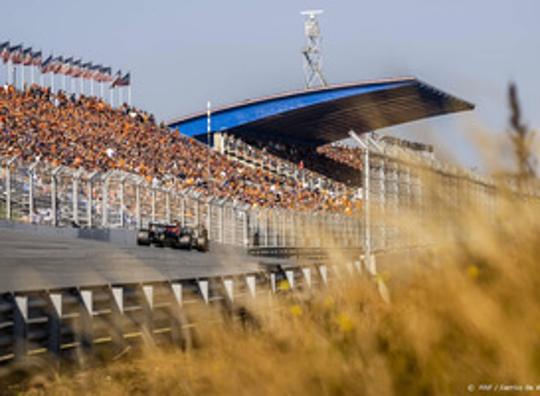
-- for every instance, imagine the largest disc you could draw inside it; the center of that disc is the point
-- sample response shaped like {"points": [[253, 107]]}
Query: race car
{"points": [[175, 236], [154, 234]]}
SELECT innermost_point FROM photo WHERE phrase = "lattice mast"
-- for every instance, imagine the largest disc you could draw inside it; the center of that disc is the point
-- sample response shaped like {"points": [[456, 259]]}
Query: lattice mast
{"points": [[311, 53]]}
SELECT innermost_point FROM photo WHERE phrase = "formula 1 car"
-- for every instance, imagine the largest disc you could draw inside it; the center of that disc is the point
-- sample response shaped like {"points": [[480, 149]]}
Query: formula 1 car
{"points": [[174, 236]]}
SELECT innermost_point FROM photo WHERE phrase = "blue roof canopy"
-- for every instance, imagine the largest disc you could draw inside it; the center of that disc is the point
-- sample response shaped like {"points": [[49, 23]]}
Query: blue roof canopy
{"points": [[319, 116]]}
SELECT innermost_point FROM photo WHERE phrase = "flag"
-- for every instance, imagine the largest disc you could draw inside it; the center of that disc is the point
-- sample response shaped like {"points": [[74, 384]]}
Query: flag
{"points": [[76, 70], [37, 58], [105, 74], [46, 65], [27, 56], [86, 70], [4, 51], [57, 64], [95, 71], [15, 54], [122, 81], [117, 77], [65, 68]]}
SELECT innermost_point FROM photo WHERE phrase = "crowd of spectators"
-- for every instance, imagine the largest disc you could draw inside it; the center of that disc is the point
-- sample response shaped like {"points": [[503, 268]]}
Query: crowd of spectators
{"points": [[328, 160], [346, 155], [258, 154], [86, 132]]}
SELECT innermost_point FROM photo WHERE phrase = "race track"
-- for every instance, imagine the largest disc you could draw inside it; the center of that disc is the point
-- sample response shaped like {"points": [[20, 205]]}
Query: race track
{"points": [[32, 261]]}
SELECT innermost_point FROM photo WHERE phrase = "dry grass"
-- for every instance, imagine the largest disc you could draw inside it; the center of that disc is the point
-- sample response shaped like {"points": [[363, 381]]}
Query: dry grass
{"points": [[466, 313]]}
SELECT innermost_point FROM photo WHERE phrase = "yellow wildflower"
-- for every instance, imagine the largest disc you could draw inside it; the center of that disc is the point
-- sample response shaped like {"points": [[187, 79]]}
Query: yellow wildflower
{"points": [[296, 310], [473, 271], [344, 322], [283, 285]]}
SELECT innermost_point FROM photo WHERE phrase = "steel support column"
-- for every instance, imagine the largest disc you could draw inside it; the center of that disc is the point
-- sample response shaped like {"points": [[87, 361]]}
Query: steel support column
{"points": [[138, 204], [31, 174], [89, 192], [8, 190], [75, 200], [153, 194], [168, 205], [105, 201], [122, 202], [53, 199]]}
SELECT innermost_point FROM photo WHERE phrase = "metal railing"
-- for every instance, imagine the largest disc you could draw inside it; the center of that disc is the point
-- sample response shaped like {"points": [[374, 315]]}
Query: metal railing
{"points": [[59, 196], [39, 193], [79, 322]]}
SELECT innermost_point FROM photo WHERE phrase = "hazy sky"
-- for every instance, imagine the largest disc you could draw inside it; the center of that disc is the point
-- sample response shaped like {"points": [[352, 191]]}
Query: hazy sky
{"points": [[182, 53]]}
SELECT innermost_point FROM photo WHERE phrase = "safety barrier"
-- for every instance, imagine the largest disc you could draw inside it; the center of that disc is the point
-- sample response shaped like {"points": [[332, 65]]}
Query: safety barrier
{"points": [[75, 322]]}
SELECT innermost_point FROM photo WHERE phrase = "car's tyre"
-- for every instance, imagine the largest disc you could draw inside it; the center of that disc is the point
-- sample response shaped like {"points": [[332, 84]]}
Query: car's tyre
{"points": [[143, 238], [202, 244]]}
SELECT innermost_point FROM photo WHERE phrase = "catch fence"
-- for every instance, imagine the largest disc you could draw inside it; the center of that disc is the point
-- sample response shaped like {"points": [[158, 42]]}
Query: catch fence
{"points": [[40, 193], [63, 197]]}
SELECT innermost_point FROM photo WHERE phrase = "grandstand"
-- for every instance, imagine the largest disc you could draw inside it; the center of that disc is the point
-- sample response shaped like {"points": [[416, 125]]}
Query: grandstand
{"points": [[294, 134], [325, 115], [76, 160]]}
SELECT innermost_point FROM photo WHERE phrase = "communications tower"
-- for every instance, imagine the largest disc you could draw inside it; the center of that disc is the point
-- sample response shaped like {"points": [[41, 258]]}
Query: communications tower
{"points": [[312, 51]]}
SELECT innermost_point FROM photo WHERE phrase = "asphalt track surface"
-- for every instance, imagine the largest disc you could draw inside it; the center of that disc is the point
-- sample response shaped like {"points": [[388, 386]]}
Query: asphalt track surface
{"points": [[36, 262]]}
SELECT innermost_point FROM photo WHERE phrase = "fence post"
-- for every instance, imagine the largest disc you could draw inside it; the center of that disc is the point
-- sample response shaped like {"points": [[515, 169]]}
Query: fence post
{"points": [[138, 203], [220, 218], [8, 188], [275, 224], [183, 210], [283, 238], [246, 228], [75, 194], [168, 205], [153, 204], [31, 174], [90, 203], [208, 218], [234, 230], [267, 232], [53, 196], [105, 200], [122, 202]]}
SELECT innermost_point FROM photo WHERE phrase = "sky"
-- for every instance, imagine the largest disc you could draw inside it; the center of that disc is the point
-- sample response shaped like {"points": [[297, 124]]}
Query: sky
{"points": [[183, 53]]}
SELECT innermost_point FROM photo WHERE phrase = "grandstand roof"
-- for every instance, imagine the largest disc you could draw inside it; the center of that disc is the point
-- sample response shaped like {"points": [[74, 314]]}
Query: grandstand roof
{"points": [[323, 115]]}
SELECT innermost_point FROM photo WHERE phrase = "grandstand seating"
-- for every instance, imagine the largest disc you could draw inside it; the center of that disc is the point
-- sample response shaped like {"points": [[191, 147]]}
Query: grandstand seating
{"points": [[310, 158], [258, 156], [85, 132]]}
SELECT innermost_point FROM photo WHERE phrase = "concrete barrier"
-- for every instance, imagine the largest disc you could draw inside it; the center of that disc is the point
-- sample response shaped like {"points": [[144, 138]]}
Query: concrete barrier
{"points": [[121, 237]]}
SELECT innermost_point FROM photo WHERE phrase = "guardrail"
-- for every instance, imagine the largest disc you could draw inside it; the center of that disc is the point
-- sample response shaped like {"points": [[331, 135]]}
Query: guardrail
{"points": [[314, 253], [75, 322]]}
